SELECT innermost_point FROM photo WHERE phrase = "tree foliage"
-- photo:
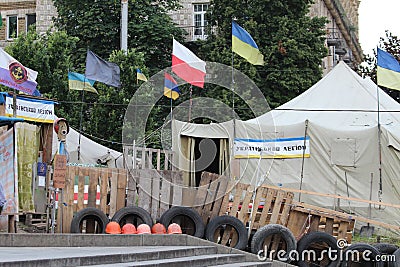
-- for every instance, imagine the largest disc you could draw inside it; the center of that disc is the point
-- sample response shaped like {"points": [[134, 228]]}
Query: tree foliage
{"points": [[97, 25]]}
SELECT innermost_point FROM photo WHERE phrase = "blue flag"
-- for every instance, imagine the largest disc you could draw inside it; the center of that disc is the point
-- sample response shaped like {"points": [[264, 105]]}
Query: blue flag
{"points": [[388, 70]]}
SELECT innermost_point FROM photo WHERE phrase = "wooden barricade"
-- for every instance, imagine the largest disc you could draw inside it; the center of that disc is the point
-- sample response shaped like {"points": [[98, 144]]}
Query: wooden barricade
{"points": [[270, 205], [209, 195], [275, 206], [306, 218], [102, 188], [154, 190]]}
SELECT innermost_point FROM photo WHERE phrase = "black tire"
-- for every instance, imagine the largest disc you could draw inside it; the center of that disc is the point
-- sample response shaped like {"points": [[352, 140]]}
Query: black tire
{"points": [[188, 219], [349, 259], [217, 226], [89, 216], [271, 231], [133, 215], [396, 262], [386, 248], [318, 242]]}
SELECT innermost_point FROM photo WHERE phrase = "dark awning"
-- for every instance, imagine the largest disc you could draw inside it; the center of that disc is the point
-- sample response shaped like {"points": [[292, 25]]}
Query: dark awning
{"points": [[8, 120]]}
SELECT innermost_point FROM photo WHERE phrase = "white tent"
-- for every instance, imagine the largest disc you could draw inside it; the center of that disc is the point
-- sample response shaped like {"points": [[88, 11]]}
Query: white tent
{"points": [[339, 114], [91, 153]]}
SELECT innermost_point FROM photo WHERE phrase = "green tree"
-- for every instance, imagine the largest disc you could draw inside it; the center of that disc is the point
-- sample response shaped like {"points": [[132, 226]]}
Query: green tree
{"points": [[291, 41], [97, 24]]}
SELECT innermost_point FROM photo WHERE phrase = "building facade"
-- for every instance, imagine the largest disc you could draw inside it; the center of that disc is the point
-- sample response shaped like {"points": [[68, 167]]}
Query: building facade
{"points": [[18, 15], [341, 40]]}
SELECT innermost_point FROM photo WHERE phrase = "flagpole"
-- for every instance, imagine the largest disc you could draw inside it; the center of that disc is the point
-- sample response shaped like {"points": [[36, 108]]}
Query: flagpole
{"points": [[379, 146], [80, 125], [171, 104], [233, 98], [190, 103]]}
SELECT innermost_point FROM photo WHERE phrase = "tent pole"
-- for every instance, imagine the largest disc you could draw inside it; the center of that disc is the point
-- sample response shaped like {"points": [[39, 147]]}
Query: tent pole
{"points": [[302, 162], [190, 103], [379, 147]]}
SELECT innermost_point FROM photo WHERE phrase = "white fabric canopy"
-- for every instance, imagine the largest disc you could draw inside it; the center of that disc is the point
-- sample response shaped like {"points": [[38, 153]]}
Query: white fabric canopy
{"points": [[342, 122]]}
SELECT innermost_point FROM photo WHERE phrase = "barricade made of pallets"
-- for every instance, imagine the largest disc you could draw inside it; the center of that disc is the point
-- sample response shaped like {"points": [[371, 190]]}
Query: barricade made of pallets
{"points": [[263, 205], [102, 188]]}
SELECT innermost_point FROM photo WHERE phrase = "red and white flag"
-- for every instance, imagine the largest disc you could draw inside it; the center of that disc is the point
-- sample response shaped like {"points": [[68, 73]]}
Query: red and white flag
{"points": [[187, 65]]}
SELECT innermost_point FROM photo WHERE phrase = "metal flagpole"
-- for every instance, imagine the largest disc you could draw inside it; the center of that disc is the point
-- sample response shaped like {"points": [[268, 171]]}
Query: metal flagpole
{"points": [[80, 125], [190, 103], [379, 147]]}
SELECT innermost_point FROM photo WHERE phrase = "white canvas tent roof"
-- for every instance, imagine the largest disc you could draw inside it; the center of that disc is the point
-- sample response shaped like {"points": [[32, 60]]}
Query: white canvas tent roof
{"points": [[341, 114], [91, 153]]}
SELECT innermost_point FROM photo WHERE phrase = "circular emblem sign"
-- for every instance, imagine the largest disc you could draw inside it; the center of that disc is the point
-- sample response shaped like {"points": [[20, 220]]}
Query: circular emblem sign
{"points": [[18, 72]]}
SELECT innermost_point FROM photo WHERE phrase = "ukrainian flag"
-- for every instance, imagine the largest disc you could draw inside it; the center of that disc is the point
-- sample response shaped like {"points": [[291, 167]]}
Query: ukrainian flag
{"points": [[77, 81], [171, 89], [388, 70], [140, 76], [244, 45]]}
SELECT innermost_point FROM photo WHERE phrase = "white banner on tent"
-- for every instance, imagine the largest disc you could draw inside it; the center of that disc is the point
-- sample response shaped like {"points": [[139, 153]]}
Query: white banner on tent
{"points": [[281, 148], [31, 109]]}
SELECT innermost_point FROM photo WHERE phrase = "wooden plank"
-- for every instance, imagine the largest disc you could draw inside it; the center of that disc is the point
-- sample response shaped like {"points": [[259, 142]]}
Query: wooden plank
{"points": [[297, 223], [335, 196], [104, 190], [113, 193], [226, 235], [177, 185], [329, 226], [144, 186], [237, 198], [131, 194], [93, 181], [267, 195], [209, 203], [158, 159], [121, 190], [342, 232], [225, 201], [286, 210], [314, 225], [82, 172], [155, 195], [69, 199], [277, 206], [165, 195], [219, 196], [187, 196], [244, 211]]}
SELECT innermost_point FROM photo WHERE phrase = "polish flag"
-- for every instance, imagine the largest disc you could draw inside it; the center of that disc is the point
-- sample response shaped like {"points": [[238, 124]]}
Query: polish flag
{"points": [[187, 65]]}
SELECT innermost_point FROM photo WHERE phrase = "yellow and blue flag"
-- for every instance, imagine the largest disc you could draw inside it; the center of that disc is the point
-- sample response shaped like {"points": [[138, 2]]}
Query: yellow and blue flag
{"points": [[77, 81], [388, 70], [244, 45], [171, 89], [140, 76]]}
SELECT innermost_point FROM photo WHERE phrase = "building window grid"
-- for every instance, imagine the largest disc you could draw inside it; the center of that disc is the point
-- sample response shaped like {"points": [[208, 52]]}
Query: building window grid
{"points": [[12, 27], [199, 20]]}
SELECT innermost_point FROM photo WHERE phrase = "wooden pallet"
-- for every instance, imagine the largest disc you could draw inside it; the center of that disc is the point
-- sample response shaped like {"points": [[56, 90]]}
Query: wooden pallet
{"points": [[275, 206], [105, 190], [270, 205], [154, 190], [306, 218]]}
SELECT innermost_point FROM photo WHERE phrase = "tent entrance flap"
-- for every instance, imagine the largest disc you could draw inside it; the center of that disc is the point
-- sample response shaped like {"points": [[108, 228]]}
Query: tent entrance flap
{"points": [[205, 154]]}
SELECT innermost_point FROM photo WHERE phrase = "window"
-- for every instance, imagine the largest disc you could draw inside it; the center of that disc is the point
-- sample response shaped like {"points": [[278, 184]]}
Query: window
{"points": [[30, 20], [199, 19], [12, 27]]}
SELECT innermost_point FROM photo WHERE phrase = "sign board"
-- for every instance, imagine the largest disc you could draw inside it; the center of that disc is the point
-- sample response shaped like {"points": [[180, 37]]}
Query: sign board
{"points": [[280, 148], [60, 171], [31, 109]]}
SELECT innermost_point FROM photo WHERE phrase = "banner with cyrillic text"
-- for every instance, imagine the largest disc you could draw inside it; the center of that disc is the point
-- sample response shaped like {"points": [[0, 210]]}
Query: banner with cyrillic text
{"points": [[280, 148], [31, 109]]}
